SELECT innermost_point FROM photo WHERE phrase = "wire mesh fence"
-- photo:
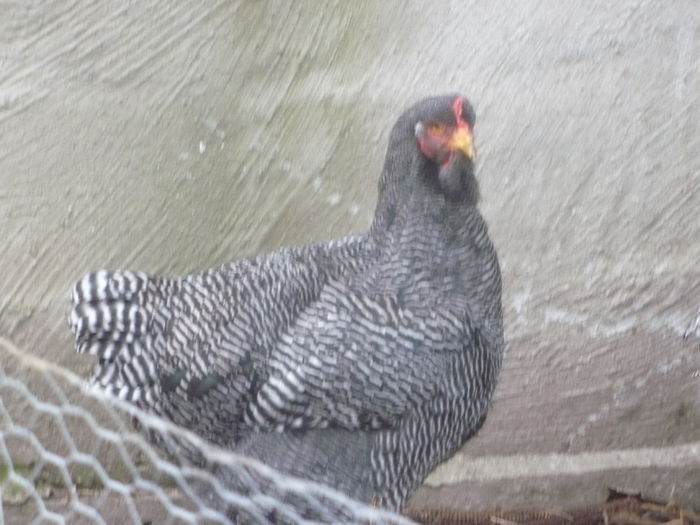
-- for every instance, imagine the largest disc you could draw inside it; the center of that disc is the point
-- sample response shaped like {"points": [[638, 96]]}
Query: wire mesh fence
{"points": [[70, 455]]}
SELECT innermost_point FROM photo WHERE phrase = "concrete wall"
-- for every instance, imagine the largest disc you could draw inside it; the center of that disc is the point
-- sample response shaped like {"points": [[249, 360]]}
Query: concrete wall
{"points": [[171, 136]]}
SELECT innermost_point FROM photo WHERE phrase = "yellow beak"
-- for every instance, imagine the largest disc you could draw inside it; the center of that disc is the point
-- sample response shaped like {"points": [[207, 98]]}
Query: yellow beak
{"points": [[462, 140]]}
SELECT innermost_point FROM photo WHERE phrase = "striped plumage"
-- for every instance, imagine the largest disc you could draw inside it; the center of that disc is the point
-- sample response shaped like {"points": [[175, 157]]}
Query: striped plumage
{"points": [[360, 363]]}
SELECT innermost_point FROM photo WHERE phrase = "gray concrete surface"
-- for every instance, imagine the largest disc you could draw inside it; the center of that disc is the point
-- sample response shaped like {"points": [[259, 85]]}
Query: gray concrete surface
{"points": [[171, 136]]}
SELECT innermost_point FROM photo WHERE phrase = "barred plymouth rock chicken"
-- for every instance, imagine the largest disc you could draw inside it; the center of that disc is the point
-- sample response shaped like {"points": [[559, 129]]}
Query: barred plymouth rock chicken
{"points": [[359, 363]]}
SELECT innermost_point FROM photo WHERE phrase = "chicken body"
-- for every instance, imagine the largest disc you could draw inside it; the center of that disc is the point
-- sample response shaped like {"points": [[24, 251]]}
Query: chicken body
{"points": [[359, 363]]}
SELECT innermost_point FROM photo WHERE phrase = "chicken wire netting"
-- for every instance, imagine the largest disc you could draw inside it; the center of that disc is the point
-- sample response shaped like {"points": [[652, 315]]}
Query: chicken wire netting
{"points": [[70, 455]]}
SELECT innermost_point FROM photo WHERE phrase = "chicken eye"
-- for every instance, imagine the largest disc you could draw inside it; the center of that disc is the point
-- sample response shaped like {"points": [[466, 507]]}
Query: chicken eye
{"points": [[437, 130]]}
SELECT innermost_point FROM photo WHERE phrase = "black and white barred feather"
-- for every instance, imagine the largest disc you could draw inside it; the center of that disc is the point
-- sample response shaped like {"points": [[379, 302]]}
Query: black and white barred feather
{"points": [[360, 363]]}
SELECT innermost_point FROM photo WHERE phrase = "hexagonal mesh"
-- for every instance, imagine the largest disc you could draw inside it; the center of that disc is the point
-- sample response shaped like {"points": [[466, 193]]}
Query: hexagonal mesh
{"points": [[69, 455]]}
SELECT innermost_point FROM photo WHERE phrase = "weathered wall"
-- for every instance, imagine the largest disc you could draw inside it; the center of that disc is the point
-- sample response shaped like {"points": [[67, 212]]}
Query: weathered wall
{"points": [[172, 136]]}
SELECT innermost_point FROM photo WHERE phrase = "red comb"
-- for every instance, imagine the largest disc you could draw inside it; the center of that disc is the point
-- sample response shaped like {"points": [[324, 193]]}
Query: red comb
{"points": [[458, 107]]}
